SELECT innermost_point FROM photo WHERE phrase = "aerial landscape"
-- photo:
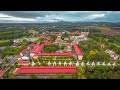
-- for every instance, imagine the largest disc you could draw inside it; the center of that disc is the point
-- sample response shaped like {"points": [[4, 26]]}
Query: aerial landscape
{"points": [[59, 45]]}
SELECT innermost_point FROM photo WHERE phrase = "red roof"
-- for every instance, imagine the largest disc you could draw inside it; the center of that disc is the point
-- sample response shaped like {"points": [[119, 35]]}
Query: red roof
{"points": [[39, 49], [34, 49], [47, 42], [77, 49], [23, 51], [69, 44], [76, 32], [18, 56], [1, 72], [43, 36], [55, 54], [102, 44], [46, 70], [34, 45]]}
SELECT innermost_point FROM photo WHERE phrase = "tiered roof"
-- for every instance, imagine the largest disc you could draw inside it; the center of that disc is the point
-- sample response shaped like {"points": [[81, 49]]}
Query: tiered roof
{"points": [[37, 50], [1, 72], [46, 70], [77, 49]]}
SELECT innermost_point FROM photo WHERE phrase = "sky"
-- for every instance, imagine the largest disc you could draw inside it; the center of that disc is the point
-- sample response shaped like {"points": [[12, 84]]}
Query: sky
{"points": [[57, 16]]}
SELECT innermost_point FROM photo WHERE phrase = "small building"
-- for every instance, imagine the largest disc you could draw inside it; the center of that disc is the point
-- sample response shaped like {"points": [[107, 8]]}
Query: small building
{"points": [[25, 58], [102, 45], [1, 72]]}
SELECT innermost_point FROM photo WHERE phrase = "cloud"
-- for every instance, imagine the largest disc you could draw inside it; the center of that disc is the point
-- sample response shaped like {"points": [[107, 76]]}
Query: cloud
{"points": [[56, 16], [94, 16], [4, 17]]}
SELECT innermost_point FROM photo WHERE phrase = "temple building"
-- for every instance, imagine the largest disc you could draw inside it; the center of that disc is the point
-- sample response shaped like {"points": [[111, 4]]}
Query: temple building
{"points": [[33, 51], [46, 70], [59, 39]]}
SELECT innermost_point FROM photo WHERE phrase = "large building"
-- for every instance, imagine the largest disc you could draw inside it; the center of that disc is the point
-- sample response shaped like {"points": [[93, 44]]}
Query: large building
{"points": [[78, 52], [36, 50], [46, 70]]}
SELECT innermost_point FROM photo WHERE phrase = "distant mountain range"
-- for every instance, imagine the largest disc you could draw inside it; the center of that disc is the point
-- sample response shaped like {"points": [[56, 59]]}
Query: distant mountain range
{"points": [[68, 22]]}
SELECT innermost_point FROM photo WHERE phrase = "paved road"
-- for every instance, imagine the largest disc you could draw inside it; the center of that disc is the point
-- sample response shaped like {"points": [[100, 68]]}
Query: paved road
{"points": [[10, 64]]}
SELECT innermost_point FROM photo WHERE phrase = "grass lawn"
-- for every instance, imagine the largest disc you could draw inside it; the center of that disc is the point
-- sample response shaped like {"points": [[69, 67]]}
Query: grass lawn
{"points": [[3, 41], [112, 43], [102, 28]]}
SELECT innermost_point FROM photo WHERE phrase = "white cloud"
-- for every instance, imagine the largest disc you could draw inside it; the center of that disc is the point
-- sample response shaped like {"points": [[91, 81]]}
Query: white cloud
{"points": [[55, 16], [17, 19], [12, 18], [94, 16], [4, 15]]}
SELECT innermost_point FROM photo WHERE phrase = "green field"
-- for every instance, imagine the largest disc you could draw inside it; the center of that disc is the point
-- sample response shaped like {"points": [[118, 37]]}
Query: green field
{"points": [[3, 41]]}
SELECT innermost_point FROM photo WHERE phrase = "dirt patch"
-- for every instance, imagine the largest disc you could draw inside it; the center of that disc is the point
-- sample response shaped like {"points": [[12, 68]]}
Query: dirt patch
{"points": [[109, 32]]}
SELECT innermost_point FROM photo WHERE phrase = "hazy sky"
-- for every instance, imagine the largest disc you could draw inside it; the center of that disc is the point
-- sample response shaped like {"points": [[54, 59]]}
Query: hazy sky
{"points": [[56, 16]]}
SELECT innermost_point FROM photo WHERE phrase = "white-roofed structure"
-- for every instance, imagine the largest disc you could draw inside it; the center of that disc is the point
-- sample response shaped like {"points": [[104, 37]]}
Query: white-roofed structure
{"points": [[65, 64], [60, 63], [98, 63], [114, 64], [82, 64], [54, 63], [70, 63], [88, 64], [33, 63], [49, 63], [103, 64], [77, 64], [25, 58], [109, 64], [93, 64]]}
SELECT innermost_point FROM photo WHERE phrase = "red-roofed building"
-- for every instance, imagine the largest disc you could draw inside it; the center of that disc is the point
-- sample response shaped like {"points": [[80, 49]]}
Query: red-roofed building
{"points": [[1, 72], [73, 33], [23, 51], [35, 50], [53, 54], [102, 45], [78, 52], [46, 70]]}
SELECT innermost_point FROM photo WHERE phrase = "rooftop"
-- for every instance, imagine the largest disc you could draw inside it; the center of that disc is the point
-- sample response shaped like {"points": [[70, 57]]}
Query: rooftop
{"points": [[46, 70], [1, 72], [77, 49], [55, 54]]}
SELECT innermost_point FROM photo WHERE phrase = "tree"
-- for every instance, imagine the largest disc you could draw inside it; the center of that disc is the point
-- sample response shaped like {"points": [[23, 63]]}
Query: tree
{"points": [[51, 48], [61, 76], [97, 74], [33, 76], [37, 64], [6, 60], [74, 76], [62, 47], [80, 73], [110, 75]]}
